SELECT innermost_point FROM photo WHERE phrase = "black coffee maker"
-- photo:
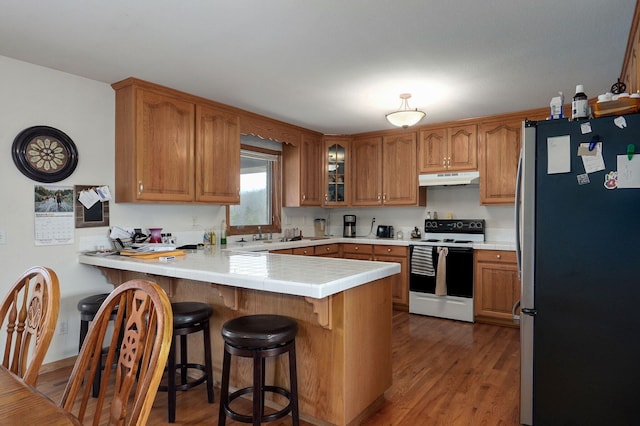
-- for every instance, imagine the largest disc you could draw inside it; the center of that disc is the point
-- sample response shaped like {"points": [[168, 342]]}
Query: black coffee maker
{"points": [[349, 229]]}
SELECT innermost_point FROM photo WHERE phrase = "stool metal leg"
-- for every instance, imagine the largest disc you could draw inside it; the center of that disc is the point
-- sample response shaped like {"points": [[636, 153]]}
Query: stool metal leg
{"points": [[208, 361], [183, 359], [258, 385], [171, 381], [293, 384], [224, 387]]}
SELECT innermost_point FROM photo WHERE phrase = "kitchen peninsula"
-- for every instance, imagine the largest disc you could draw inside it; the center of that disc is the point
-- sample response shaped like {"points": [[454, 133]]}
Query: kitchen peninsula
{"points": [[343, 309]]}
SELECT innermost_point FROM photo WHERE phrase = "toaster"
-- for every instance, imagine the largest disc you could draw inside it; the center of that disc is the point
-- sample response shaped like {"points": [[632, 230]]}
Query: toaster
{"points": [[385, 231]]}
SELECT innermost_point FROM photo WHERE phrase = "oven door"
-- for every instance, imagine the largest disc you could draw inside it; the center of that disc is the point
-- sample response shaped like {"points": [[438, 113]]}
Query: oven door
{"points": [[459, 273]]}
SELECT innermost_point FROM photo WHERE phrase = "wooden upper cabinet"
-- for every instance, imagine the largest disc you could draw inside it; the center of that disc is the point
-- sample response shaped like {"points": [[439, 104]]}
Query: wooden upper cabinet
{"points": [[170, 147], [448, 149], [336, 158], [499, 147], [399, 170], [384, 171], [154, 146], [366, 172], [218, 156], [302, 171]]}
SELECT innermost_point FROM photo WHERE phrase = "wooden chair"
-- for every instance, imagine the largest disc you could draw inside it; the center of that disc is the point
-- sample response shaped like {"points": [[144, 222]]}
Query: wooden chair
{"points": [[146, 322], [29, 313]]}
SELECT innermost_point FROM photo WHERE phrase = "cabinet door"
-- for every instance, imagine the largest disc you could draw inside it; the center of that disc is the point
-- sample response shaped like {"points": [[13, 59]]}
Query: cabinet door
{"points": [[499, 147], [164, 147], [462, 148], [218, 156], [311, 176], [400, 285], [336, 176], [497, 287], [399, 170], [366, 172], [432, 150]]}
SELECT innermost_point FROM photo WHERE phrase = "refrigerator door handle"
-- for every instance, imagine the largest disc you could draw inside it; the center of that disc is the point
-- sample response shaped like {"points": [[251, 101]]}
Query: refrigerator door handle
{"points": [[517, 216], [529, 311]]}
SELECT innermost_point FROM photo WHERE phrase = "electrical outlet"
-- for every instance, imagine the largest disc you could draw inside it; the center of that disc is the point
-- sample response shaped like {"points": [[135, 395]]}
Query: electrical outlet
{"points": [[3, 237], [63, 327]]}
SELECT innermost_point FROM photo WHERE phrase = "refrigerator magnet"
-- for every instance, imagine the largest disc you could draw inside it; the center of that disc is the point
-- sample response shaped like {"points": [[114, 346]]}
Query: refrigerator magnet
{"points": [[611, 180]]}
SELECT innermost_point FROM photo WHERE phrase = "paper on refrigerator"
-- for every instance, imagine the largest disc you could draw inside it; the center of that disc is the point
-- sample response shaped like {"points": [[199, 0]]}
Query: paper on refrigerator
{"points": [[628, 171], [559, 155]]}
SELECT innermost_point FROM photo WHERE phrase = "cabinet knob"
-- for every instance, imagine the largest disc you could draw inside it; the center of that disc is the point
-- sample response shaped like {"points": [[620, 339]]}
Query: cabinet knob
{"points": [[304, 197], [305, 252], [379, 197], [388, 250], [356, 248], [327, 249], [140, 187], [498, 256], [384, 197]]}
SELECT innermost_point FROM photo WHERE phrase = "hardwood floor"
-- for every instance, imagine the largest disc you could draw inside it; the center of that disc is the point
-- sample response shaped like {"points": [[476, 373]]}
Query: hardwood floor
{"points": [[444, 373]]}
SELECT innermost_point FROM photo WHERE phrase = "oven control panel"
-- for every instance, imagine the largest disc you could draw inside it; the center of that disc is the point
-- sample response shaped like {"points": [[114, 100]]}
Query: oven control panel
{"points": [[458, 226]]}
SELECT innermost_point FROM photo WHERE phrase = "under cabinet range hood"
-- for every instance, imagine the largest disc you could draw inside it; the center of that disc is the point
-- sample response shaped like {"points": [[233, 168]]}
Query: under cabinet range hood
{"points": [[447, 179]]}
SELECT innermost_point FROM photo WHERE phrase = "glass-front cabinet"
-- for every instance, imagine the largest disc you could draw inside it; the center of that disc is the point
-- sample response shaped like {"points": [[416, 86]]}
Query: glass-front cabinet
{"points": [[336, 166]]}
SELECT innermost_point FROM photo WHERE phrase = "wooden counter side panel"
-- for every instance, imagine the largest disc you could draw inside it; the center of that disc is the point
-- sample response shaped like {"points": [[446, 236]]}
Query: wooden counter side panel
{"points": [[367, 322]]}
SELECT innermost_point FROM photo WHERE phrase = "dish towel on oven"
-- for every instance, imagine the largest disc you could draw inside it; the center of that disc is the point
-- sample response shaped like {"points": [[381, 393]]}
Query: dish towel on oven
{"points": [[422, 261], [441, 278]]}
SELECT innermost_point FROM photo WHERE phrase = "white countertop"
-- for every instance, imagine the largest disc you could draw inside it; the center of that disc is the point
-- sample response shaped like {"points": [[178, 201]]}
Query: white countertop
{"points": [[311, 276], [276, 245]]}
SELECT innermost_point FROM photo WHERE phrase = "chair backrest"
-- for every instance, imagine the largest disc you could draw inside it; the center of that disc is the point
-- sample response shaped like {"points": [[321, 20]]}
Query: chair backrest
{"points": [[28, 314], [143, 326]]}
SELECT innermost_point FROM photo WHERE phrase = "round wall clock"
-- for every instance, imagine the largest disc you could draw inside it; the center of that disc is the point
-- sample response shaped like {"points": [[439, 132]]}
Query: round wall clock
{"points": [[44, 154]]}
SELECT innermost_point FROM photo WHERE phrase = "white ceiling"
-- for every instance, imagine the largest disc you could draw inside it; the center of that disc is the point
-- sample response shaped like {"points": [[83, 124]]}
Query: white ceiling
{"points": [[335, 66]]}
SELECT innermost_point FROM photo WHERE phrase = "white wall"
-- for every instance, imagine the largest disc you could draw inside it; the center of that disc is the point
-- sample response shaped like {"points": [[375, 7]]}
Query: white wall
{"points": [[84, 109]]}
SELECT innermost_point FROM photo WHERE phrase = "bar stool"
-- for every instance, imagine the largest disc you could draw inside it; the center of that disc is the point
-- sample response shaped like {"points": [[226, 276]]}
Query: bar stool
{"points": [[188, 318], [88, 308], [259, 337]]}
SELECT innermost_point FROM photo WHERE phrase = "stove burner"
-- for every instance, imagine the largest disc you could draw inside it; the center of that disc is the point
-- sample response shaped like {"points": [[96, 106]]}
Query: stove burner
{"points": [[432, 240], [448, 240]]}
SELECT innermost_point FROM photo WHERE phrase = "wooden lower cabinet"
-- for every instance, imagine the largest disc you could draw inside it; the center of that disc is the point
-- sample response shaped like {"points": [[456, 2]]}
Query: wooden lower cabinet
{"points": [[497, 287], [400, 283]]}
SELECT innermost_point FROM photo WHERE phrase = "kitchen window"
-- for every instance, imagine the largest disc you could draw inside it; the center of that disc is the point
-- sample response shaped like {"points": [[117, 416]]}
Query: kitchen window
{"points": [[260, 184]]}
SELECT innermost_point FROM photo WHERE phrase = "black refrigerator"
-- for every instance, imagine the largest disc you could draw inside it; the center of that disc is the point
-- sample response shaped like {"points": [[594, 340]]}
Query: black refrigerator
{"points": [[578, 235]]}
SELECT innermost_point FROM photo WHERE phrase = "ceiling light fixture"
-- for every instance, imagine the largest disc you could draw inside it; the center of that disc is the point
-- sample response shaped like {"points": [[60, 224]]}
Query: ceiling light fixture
{"points": [[405, 117]]}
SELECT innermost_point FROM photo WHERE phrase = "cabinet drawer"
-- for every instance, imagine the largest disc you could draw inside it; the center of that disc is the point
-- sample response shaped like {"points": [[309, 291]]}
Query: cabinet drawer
{"points": [[390, 250], [304, 251], [281, 251], [327, 249], [495, 256], [357, 248]]}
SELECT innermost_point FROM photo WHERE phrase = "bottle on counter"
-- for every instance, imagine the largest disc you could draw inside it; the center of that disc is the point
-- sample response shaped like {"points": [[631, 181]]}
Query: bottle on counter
{"points": [[209, 237], [223, 233], [580, 104]]}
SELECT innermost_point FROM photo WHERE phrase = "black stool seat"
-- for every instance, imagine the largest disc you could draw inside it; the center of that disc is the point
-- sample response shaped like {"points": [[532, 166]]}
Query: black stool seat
{"points": [[259, 331], [188, 318], [189, 313], [91, 304], [89, 307], [258, 337]]}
